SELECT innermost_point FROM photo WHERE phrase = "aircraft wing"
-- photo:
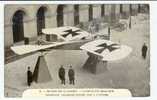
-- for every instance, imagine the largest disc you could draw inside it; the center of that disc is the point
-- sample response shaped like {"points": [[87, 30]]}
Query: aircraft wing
{"points": [[24, 49], [67, 33], [108, 50]]}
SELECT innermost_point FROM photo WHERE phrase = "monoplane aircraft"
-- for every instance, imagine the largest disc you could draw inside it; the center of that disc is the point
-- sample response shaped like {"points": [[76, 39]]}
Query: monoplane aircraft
{"points": [[79, 39]]}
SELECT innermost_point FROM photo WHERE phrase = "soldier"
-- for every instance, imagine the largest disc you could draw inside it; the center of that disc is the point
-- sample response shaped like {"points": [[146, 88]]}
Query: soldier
{"points": [[29, 76], [71, 75], [62, 74], [144, 51]]}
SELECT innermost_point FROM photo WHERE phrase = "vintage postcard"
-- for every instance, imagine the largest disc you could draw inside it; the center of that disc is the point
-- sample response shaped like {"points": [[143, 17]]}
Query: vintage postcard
{"points": [[77, 50]]}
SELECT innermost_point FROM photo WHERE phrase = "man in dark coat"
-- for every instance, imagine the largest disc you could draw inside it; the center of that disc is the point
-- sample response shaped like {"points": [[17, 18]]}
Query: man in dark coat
{"points": [[62, 75], [109, 33], [144, 51], [29, 77], [71, 75]]}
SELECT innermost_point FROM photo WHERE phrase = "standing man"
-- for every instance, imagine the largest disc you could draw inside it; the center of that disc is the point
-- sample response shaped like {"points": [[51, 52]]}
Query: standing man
{"points": [[144, 51], [130, 22], [71, 75], [29, 77], [61, 74], [109, 32], [97, 27]]}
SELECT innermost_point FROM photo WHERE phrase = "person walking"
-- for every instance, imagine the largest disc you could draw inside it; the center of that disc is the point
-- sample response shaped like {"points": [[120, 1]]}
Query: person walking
{"points": [[61, 74], [29, 77], [71, 75], [144, 51]]}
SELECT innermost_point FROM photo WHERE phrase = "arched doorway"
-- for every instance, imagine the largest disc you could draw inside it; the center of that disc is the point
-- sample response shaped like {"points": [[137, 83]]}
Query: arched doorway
{"points": [[121, 8], [41, 19], [90, 12], [102, 10], [147, 6], [18, 26], [76, 14], [130, 7], [139, 8], [60, 16]]}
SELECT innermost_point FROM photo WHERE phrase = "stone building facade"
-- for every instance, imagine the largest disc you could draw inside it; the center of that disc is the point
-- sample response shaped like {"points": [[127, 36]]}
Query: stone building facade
{"points": [[23, 21]]}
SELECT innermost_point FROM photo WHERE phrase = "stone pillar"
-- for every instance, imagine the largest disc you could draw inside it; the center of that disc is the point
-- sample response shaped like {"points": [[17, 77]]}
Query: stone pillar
{"points": [[8, 35], [70, 17], [50, 17], [126, 10], [83, 13], [113, 14], [30, 28], [117, 12], [97, 11], [134, 9], [51, 21], [107, 12]]}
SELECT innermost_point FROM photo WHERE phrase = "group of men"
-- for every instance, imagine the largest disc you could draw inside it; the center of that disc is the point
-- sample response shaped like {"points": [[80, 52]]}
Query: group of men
{"points": [[71, 75], [61, 74]]}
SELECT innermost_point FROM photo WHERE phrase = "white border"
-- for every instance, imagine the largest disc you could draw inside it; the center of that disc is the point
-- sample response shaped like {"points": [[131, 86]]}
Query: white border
{"points": [[153, 43], [73, 2]]}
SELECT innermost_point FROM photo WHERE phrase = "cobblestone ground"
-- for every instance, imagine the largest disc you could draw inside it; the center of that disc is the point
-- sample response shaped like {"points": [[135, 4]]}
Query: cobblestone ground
{"points": [[130, 73]]}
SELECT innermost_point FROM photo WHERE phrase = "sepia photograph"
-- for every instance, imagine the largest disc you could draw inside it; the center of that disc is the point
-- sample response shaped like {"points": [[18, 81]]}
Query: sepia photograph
{"points": [[77, 46]]}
